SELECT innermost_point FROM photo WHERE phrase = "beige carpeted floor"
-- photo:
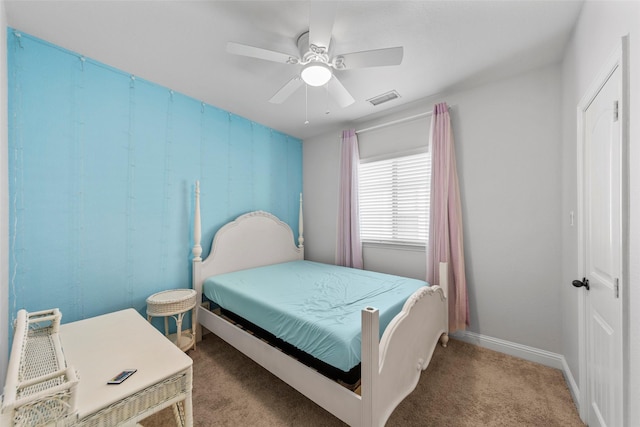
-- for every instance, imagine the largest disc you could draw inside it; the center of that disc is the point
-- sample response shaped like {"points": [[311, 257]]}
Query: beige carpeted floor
{"points": [[464, 385]]}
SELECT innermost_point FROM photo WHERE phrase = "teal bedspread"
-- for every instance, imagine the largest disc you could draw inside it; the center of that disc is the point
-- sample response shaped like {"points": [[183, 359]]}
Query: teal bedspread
{"points": [[315, 307]]}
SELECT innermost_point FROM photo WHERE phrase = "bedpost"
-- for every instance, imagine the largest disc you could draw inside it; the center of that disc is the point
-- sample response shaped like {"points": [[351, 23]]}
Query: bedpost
{"points": [[197, 260], [300, 226], [370, 366], [197, 227], [444, 284]]}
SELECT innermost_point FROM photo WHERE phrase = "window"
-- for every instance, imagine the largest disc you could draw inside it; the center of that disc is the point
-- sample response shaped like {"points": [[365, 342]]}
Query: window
{"points": [[394, 200]]}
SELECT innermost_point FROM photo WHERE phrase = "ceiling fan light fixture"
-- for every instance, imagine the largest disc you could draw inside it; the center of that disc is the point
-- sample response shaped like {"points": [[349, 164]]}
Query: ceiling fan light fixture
{"points": [[316, 74]]}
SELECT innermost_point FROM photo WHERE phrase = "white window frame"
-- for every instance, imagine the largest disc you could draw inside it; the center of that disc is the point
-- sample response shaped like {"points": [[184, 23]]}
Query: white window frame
{"points": [[392, 231]]}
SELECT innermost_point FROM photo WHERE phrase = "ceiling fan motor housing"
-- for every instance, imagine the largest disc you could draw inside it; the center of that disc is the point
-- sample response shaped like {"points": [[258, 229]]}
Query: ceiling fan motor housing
{"points": [[312, 53]]}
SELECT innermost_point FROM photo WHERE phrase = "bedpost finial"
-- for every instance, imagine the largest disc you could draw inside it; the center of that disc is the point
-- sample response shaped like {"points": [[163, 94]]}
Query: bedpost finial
{"points": [[197, 252]]}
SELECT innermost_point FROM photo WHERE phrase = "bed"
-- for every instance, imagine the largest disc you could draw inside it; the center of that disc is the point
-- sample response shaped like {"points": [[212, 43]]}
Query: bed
{"points": [[391, 357]]}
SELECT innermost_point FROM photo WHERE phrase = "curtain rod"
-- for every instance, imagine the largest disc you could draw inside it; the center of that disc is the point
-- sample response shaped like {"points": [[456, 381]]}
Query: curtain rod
{"points": [[394, 122]]}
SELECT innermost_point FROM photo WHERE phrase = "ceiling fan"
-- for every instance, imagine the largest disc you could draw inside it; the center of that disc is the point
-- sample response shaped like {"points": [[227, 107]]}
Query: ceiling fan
{"points": [[318, 64]]}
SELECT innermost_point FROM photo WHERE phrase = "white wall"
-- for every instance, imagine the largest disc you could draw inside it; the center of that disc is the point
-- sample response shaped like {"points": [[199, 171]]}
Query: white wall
{"points": [[320, 172], [4, 200], [508, 148], [599, 29]]}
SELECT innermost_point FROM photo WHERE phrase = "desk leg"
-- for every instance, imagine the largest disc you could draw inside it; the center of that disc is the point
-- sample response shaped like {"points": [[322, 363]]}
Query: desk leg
{"points": [[183, 411], [188, 403], [193, 326]]}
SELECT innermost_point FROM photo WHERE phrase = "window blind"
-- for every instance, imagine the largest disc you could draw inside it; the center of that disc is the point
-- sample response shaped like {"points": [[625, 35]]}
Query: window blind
{"points": [[394, 200]]}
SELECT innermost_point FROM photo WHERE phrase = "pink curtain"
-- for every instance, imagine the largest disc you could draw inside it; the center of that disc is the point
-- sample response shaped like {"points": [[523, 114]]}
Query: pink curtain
{"points": [[349, 250], [445, 231]]}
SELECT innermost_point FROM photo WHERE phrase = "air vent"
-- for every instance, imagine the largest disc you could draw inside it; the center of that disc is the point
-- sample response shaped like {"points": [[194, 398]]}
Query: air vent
{"points": [[385, 97]]}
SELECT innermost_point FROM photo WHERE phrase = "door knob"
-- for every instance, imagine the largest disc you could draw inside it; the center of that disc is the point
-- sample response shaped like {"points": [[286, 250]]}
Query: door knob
{"points": [[579, 283]]}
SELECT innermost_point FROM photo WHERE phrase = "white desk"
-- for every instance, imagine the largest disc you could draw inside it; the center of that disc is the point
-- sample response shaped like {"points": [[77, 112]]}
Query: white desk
{"points": [[101, 347]]}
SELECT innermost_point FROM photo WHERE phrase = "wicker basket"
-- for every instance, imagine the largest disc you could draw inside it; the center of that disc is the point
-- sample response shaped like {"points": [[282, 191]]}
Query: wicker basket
{"points": [[40, 388]]}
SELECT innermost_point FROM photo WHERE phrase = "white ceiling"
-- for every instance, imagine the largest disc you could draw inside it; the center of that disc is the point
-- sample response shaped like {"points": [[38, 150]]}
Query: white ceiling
{"points": [[181, 44]]}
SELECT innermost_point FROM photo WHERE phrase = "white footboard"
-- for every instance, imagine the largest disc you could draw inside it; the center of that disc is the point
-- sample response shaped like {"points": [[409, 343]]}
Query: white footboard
{"points": [[391, 366], [406, 349]]}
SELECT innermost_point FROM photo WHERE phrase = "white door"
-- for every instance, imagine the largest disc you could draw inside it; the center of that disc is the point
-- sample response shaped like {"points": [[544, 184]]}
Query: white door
{"points": [[603, 245]]}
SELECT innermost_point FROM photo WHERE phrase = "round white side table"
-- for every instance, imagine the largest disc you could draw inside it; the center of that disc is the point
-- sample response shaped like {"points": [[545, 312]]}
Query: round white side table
{"points": [[175, 303]]}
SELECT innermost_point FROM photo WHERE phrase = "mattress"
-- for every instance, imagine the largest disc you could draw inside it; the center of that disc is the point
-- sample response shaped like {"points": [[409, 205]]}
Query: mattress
{"points": [[315, 307]]}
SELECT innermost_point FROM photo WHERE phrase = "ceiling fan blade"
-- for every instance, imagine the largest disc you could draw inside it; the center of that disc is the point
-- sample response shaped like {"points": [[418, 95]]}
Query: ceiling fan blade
{"points": [[340, 93], [257, 52], [286, 91], [372, 58], [321, 17]]}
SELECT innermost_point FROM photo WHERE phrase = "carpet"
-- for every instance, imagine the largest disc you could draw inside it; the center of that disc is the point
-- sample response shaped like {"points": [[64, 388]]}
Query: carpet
{"points": [[464, 385]]}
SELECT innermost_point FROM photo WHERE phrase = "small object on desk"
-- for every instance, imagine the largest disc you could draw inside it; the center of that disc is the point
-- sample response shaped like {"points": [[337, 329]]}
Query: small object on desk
{"points": [[175, 303], [118, 379]]}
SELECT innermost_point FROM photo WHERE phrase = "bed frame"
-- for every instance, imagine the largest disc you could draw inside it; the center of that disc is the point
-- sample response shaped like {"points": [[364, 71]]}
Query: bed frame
{"points": [[390, 366]]}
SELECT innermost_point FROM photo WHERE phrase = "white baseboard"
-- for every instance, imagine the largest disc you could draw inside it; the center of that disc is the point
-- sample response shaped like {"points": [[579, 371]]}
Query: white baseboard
{"points": [[525, 352], [571, 383]]}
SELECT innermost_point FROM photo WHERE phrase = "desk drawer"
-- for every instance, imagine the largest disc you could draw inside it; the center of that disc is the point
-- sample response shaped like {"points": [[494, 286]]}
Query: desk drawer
{"points": [[142, 404]]}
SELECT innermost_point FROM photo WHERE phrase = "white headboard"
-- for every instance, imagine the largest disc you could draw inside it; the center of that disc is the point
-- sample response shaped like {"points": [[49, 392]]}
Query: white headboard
{"points": [[251, 240]]}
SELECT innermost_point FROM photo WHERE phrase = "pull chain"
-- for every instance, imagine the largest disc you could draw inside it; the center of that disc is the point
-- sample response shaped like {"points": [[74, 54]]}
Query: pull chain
{"points": [[327, 98], [306, 104]]}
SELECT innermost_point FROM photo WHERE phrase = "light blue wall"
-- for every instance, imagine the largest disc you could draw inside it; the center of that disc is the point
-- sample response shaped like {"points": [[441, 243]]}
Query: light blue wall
{"points": [[102, 167]]}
